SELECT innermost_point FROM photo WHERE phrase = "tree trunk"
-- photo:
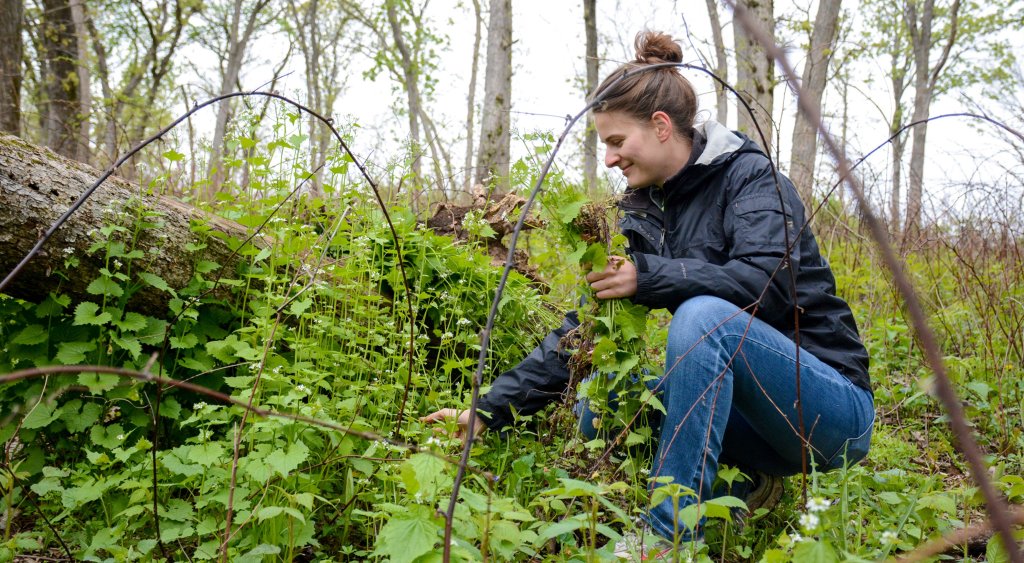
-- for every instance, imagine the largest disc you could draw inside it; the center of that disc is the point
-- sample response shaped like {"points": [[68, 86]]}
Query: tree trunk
{"points": [[37, 186], [84, 153], [495, 137], [755, 75], [925, 78], [60, 51], [590, 137], [411, 81], [471, 98], [805, 145], [721, 64], [237, 43], [11, 46]]}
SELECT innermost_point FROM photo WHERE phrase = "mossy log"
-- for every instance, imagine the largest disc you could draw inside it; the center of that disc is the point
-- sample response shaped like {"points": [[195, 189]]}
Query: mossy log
{"points": [[37, 186]]}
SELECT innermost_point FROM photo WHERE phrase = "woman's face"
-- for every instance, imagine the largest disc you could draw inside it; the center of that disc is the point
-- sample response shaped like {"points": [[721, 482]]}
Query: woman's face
{"points": [[642, 150]]}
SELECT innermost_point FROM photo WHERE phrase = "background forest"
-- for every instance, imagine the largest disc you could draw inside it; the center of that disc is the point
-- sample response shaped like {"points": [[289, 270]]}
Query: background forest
{"points": [[224, 351]]}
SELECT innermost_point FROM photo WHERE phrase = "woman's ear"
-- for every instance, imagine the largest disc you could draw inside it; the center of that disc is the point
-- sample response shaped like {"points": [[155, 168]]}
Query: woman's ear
{"points": [[662, 125]]}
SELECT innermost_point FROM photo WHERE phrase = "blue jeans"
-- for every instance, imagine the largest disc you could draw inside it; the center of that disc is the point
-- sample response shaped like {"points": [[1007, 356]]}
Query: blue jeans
{"points": [[729, 393]]}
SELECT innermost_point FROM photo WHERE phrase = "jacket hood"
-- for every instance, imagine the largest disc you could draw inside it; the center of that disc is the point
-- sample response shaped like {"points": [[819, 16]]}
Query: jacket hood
{"points": [[720, 142]]}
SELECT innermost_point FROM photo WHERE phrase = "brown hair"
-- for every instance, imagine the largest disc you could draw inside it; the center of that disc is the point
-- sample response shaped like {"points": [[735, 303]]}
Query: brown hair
{"points": [[643, 93]]}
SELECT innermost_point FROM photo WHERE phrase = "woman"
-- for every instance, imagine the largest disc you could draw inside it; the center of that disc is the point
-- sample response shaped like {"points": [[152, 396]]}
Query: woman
{"points": [[708, 233]]}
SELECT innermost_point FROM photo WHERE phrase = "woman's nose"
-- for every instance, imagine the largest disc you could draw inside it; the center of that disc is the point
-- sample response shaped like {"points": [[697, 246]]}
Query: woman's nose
{"points": [[610, 158]]}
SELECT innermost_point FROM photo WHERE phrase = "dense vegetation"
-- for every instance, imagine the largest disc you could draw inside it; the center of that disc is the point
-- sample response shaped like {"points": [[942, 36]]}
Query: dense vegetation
{"points": [[317, 323]]}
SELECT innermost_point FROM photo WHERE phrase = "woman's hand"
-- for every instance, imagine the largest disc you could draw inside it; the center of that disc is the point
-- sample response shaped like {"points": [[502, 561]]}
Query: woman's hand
{"points": [[618, 279], [461, 417]]}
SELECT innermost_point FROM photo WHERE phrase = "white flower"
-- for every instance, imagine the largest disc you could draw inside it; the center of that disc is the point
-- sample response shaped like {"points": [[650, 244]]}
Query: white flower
{"points": [[809, 521], [464, 321], [302, 388], [797, 538], [199, 405], [818, 504], [120, 437], [446, 335], [888, 536]]}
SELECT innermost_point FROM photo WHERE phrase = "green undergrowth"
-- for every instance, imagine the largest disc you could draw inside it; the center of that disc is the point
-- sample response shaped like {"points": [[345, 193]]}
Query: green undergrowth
{"points": [[317, 319]]}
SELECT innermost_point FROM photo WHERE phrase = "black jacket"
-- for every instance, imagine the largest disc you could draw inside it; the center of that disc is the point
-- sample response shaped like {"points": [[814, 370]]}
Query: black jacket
{"points": [[716, 228]]}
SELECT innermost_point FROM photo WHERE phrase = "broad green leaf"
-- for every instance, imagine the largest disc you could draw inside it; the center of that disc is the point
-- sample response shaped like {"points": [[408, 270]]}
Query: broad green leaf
{"points": [[41, 415], [132, 322], [86, 314], [32, 334], [408, 535], [285, 462], [206, 454], [103, 285], [156, 281], [129, 344], [814, 552], [71, 353], [78, 420], [173, 155], [98, 382], [421, 474], [561, 527]]}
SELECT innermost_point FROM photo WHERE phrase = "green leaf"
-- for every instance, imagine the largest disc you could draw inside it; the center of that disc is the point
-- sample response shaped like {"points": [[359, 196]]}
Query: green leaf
{"points": [[41, 416], [408, 535], [132, 322], [109, 437], [286, 462], [85, 314], [422, 473], [129, 344], [72, 353], [206, 454], [103, 285], [98, 382], [156, 281], [938, 501], [559, 528], [814, 552], [78, 420], [32, 334], [173, 155], [272, 511]]}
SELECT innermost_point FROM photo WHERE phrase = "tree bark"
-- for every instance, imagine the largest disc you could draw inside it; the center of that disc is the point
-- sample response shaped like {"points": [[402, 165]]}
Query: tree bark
{"points": [[805, 145], [925, 78], [755, 74], [721, 64], [60, 51], [495, 137], [590, 137], [471, 97], [411, 80], [37, 186], [11, 48]]}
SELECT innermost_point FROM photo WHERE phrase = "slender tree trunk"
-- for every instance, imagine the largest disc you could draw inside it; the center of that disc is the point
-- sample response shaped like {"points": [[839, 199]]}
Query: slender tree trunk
{"points": [[237, 43], [721, 64], [590, 137], [411, 80], [84, 82], [755, 75], [471, 98], [495, 136], [103, 73], [60, 50], [11, 47], [805, 145], [925, 78]]}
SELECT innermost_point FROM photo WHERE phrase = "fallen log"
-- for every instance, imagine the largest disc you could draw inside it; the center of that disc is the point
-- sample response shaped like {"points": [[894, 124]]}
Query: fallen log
{"points": [[37, 186]]}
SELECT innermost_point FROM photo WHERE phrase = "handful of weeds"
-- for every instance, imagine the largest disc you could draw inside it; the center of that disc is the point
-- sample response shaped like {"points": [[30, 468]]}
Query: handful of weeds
{"points": [[609, 360]]}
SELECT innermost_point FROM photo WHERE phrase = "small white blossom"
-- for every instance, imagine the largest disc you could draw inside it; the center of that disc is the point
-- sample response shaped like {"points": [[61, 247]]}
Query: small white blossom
{"points": [[120, 437], [302, 388], [888, 536], [797, 538], [809, 521], [447, 335], [464, 321], [817, 504], [199, 405], [117, 264]]}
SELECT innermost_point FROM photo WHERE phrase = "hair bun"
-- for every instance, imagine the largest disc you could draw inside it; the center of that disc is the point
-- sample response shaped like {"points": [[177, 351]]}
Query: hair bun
{"points": [[654, 47]]}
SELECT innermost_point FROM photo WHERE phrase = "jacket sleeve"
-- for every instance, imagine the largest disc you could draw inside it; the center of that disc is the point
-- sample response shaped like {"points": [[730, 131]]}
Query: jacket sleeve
{"points": [[755, 230], [539, 379]]}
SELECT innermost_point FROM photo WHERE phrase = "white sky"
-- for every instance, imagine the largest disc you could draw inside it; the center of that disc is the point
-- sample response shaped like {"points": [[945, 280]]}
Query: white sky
{"points": [[548, 63]]}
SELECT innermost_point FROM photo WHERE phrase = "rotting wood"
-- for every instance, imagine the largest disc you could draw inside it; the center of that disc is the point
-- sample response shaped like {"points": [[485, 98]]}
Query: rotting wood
{"points": [[37, 186]]}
